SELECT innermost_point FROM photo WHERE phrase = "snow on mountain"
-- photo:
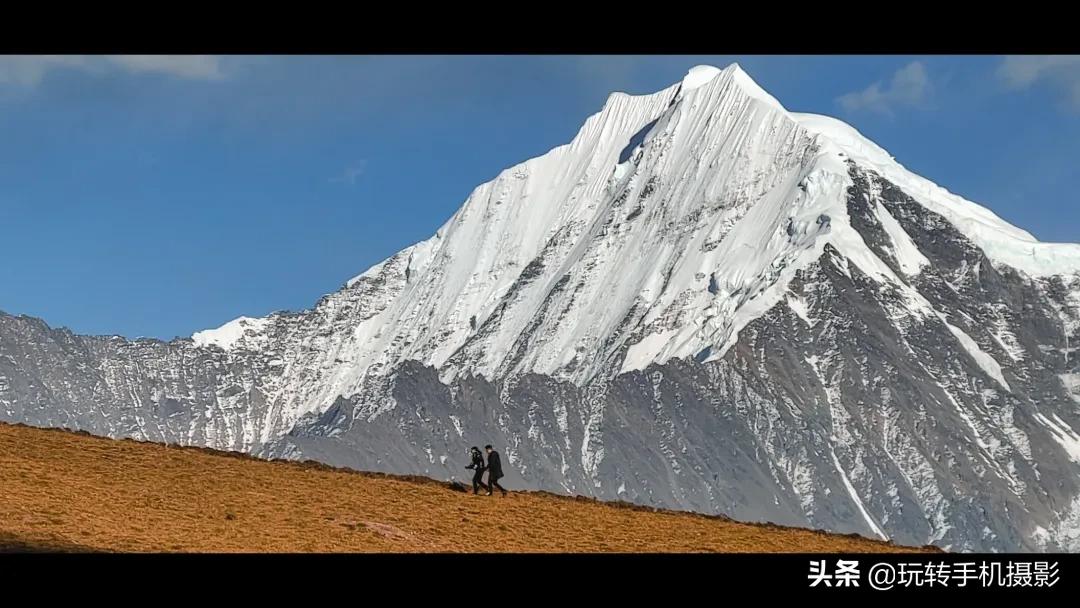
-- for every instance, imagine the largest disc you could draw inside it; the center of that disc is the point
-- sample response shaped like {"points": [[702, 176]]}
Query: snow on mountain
{"points": [[228, 335], [1002, 242], [715, 156], [698, 76]]}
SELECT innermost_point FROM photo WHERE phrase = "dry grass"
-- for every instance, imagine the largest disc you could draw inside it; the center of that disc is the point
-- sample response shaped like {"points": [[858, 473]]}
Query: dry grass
{"points": [[64, 491]]}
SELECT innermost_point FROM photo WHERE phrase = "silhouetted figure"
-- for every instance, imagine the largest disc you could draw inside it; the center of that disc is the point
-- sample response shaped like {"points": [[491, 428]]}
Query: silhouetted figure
{"points": [[495, 473], [478, 466]]}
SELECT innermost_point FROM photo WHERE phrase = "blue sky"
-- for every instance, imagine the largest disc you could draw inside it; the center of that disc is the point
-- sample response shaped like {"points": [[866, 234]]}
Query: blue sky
{"points": [[157, 196]]}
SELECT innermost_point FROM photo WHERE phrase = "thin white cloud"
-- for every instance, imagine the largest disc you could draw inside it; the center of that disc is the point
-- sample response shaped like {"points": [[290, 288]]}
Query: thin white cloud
{"points": [[196, 67], [910, 86], [1060, 71], [28, 71], [351, 173]]}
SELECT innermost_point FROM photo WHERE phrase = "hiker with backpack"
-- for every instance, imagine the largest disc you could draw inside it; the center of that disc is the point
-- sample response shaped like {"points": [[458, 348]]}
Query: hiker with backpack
{"points": [[495, 472], [479, 468]]}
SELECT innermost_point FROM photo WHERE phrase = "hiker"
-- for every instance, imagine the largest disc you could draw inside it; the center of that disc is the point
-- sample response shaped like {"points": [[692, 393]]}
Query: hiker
{"points": [[495, 472], [478, 466]]}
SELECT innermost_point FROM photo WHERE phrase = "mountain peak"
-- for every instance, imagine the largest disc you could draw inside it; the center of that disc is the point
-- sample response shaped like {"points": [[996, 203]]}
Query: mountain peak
{"points": [[701, 75], [698, 76]]}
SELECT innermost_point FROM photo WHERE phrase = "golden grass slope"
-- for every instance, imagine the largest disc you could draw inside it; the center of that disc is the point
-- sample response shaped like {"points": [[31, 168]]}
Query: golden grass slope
{"points": [[64, 491]]}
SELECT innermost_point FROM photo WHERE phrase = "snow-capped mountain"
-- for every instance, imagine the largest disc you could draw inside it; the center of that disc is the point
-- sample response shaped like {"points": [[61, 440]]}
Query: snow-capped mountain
{"points": [[703, 301]]}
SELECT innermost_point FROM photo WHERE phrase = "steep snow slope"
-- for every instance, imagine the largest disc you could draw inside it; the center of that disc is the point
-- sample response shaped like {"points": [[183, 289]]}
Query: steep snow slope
{"points": [[543, 264], [1002, 242], [686, 211]]}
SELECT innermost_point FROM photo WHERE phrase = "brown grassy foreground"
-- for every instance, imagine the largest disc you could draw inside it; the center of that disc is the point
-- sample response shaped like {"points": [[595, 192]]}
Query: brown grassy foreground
{"points": [[64, 491]]}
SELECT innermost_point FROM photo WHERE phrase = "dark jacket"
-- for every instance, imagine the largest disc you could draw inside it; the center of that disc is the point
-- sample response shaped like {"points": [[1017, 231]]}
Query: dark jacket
{"points": [[477, 462], [494, 466]]}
